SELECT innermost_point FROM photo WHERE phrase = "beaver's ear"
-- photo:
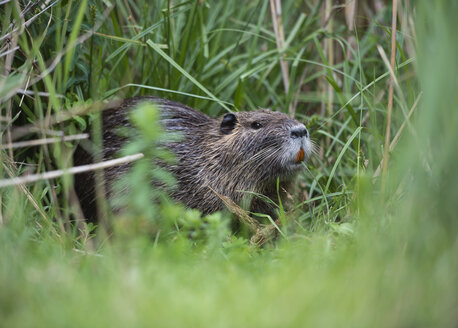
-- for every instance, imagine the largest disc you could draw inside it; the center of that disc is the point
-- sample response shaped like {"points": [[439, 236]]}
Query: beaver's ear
{"points": [[228, 123]]}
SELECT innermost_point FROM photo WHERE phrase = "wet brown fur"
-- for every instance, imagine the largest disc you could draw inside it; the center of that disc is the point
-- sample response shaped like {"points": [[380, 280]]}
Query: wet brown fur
{"points": [[246, 159]]}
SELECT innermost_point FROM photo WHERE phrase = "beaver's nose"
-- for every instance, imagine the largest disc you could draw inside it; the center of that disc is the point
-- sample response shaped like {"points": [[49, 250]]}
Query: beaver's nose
{"points": [[299, 132]]}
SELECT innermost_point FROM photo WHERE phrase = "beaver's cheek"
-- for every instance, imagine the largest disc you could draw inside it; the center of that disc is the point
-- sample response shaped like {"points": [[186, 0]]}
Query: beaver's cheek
{"points": [[307, 146]]}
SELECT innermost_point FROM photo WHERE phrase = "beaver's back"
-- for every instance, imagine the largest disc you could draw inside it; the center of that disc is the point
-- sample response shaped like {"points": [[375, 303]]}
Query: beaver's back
{"points": [[174, 117]]}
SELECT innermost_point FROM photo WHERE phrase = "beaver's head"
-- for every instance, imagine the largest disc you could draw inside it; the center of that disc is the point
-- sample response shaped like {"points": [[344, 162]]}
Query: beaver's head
{"points": [[265, 141]]}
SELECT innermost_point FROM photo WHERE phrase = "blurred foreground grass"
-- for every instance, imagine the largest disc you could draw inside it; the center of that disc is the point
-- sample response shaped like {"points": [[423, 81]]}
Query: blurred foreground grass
{"points": [[390, 259]]}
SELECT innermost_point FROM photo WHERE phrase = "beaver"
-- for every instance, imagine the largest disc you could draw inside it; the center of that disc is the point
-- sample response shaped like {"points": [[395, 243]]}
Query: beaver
{"points": [[238, 153]]}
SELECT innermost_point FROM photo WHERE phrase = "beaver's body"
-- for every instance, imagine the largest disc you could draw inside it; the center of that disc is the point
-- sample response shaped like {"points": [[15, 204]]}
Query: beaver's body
{"points": [[245, 151]]}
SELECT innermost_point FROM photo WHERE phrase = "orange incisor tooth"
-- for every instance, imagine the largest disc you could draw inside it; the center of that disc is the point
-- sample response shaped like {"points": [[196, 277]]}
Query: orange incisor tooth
{"points": [[300, 155]]}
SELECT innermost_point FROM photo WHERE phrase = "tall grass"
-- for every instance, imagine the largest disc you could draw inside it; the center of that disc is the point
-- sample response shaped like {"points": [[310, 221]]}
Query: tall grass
{"points": [[352, 253]]}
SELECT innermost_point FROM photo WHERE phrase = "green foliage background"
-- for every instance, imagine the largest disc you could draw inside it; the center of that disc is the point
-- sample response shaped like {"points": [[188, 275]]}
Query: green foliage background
{"points": [[352, 252]]}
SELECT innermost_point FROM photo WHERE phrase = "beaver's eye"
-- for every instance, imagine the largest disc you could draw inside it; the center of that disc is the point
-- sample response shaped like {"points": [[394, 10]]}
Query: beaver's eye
{"points": [[256, 125]]}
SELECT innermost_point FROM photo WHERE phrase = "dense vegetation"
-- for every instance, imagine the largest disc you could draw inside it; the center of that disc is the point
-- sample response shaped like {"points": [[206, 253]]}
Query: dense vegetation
{"points": [[367, 239]]}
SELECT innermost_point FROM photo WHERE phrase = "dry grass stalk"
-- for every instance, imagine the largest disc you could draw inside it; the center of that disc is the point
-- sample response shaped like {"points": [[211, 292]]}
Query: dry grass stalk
{"points": [[395, 140], [44, 141], [350, 13], [238, 211], [275, 9], [73, 170], [351, 8], [386, 155], [261, 233], [330, 53], [264, 235]]}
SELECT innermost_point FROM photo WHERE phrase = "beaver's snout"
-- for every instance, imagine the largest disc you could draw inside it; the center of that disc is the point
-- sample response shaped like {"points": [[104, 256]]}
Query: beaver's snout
{"points": [[299, 131], [299, 147]]}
